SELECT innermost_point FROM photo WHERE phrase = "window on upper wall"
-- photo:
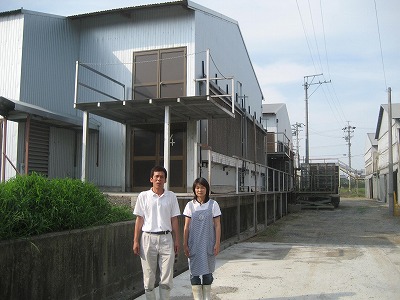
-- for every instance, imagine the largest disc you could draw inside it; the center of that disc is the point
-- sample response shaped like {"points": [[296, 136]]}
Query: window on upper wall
{"points": [[159, 73]]}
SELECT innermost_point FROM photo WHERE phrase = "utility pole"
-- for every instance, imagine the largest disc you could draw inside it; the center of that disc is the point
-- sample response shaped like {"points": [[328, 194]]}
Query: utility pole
{"points": [[306, 86], [390, 148], [296, 130], [348, 134]]}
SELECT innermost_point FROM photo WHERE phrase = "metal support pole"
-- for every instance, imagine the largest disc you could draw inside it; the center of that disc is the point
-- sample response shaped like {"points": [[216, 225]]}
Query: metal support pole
{"points": [[3, 151], [166, 142], [27, 137], [209, 167], [255, 175], [208, 74], [85, 139], [76, 83], [195, 160]]}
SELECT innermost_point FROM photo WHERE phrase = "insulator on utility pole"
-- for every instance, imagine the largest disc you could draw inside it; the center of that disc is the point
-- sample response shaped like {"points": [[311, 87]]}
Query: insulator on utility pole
{"points": [[306, 86], [348, 134], [296, 130]]}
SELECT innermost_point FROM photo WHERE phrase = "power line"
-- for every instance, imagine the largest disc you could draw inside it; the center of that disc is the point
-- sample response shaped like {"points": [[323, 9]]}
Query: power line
{"points": [[338, 106], [334, 106], [305, 33], [380, 44], [315, 38]]}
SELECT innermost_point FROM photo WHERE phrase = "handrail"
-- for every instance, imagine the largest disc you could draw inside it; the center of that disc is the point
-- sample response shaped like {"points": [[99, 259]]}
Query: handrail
{"points": [[79, 83]]}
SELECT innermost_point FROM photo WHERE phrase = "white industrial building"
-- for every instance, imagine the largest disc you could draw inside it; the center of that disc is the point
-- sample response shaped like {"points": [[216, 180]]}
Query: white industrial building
{"points": [[371, 166], [92, 96], [377, 155]]}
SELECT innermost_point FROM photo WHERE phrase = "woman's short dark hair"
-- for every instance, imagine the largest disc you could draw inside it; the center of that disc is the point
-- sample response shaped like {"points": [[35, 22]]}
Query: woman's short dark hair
{"points": [[158, 169], [202, 181]]}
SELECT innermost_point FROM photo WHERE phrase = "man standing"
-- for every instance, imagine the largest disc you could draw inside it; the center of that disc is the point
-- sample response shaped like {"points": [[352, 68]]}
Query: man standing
{"points": [[156, 237]]}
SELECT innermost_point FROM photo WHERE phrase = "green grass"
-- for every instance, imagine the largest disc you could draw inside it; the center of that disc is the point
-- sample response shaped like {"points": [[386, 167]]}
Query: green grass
{"points": [[353, 193], [32, 205]]}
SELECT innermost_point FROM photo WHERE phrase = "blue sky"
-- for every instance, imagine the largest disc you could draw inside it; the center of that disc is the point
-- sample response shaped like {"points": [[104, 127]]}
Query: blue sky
{"points": [[354, 43]]}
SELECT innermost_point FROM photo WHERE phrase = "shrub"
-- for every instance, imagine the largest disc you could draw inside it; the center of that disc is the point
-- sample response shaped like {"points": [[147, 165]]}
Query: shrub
{"points": [[33, 204]]}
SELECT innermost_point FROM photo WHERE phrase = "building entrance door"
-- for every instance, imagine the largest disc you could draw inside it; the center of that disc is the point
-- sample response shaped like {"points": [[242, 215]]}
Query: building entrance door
{"points": [[148, 150]]}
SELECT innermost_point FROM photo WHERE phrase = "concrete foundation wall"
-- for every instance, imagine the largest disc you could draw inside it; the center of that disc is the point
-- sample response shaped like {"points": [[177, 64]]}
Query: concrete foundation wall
{"points": [[81, 264]]}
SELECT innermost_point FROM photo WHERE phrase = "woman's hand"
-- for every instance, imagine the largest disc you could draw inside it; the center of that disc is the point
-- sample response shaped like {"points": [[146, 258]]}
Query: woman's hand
{"points": [[186, 250], [216, 249]]}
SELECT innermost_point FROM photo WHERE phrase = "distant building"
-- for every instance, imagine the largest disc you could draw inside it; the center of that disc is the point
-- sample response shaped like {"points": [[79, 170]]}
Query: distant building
{"points": [[371, 167], [280, 154], [377, 155]]}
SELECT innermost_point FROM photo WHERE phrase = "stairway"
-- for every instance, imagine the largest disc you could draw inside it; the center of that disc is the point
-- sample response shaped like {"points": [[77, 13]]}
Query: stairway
{"points": [[350, 171]]}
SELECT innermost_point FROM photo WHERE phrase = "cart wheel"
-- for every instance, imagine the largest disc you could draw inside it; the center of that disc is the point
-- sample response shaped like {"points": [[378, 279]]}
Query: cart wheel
{"points": [[335, 201]]}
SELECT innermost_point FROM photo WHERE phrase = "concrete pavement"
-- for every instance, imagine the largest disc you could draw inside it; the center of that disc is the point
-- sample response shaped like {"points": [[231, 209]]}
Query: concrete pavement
{"points": [[361, 262]]}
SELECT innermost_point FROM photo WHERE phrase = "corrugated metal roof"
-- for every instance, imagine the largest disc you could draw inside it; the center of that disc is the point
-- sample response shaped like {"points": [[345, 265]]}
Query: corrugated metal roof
{"points": [[185, 3], [395, 115], [372, 139], [11, 12], [18, 111], [126, 9], [272, 108]]}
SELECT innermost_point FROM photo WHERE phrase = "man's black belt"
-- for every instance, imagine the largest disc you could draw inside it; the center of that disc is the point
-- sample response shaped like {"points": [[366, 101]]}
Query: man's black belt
{"points": [[159, 232]]}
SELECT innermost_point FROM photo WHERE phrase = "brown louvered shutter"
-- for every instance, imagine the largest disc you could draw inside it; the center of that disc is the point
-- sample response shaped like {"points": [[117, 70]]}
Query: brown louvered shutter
{"points": [[39, 148]]}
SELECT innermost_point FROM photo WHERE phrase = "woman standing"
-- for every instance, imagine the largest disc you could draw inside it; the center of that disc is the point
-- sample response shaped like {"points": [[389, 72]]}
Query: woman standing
{"points": [[201, 238]]}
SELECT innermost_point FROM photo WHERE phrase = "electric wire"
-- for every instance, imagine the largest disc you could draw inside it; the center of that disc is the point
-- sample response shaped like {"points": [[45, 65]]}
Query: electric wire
{"points": [[337, 113], [305, 33], [315, 37], [338, 106], [335, 107], [380, 45], [212, 59]]}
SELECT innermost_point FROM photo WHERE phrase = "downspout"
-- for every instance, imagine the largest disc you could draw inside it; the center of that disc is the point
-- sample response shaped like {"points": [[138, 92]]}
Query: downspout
{"points": [[27, 137], [3, 151]]}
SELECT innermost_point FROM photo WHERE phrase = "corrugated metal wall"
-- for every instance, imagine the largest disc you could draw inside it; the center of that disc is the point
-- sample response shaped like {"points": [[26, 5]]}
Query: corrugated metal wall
{"points": [[12, 149], [229, 55], [53, 44], [63, 157], [50, 50], [11, 32], [108, 43]]}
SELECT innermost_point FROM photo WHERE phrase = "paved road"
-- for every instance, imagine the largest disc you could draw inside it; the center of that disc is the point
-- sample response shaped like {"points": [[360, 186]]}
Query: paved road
{"points": [[352, 252]]}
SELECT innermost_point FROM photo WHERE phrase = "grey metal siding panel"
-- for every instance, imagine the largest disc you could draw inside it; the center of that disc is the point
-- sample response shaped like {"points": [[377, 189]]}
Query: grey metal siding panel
{"points": [[62, 153], [121, 36], [12, 149], [229, 56], [105, 159], [50, 50]]}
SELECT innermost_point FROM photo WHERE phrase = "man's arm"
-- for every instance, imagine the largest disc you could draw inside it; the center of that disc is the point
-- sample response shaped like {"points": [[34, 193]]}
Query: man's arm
{"points": [[175, 233], [138, 231]]}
